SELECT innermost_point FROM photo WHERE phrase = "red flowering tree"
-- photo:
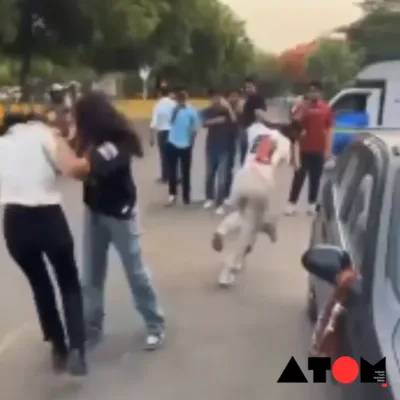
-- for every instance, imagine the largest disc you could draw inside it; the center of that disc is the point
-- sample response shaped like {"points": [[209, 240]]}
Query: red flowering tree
{"points": [[293, 62]]}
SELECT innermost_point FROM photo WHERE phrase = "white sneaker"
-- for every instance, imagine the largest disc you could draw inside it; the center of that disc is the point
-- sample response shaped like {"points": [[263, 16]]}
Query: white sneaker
{"points": [[208, 204], [290, 210], [171, 200], [154, 341], [220, 211], [226, 277], [311, 210], [239, 267], [228, 202]]}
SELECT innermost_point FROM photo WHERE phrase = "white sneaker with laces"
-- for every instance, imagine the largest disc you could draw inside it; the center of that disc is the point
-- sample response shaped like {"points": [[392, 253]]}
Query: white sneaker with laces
{"points": [[171, 200], [290, 210], [154, 341], [226, 277], [311, 210], [208, 204], [220, 211]]}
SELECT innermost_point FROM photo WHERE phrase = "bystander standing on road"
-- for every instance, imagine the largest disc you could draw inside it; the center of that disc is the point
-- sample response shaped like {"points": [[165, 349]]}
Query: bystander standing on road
{"points": [[185, 123], [315, 141], [236, 102], [254, 101], [160, 126], [218, 118]]}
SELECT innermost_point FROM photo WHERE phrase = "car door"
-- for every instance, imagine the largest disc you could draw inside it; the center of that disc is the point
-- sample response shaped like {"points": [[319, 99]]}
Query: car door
{"points": [[326, 224], [358, 226]]}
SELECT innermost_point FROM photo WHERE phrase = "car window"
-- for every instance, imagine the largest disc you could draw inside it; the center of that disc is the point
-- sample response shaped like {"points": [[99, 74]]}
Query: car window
{"points": [[355, 218], [346, 168], [350, 102], [393, 249]]}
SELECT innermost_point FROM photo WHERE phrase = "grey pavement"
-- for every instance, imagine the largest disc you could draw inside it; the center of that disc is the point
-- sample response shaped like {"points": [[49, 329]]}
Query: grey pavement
{"points": [[221, 344]]}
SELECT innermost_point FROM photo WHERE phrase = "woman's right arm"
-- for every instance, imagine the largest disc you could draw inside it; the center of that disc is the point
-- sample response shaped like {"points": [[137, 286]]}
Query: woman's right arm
{"points": [[67, 162]]}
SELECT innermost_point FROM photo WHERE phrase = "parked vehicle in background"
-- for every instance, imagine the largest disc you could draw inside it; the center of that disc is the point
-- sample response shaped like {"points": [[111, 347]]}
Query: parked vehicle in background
{"points": [[377, 86]]}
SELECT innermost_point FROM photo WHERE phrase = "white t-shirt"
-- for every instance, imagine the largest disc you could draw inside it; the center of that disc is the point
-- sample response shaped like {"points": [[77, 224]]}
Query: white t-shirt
{"points": [[281, 149], [162, 114], [28, 175]]}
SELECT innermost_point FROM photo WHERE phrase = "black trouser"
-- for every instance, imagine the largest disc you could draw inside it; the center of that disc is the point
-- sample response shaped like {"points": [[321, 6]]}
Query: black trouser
{"points": [[184, 158], [32, 233], [312, 164], [162, 141], [230, 169], [243, 146]]}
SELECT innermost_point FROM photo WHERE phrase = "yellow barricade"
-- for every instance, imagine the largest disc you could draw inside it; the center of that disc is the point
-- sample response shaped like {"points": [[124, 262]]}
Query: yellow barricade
{"points": [[134, 108]]}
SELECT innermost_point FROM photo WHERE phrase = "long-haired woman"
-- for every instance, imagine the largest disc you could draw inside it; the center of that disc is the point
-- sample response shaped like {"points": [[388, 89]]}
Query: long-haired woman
{"points": [[31, 157], [109, 193]]}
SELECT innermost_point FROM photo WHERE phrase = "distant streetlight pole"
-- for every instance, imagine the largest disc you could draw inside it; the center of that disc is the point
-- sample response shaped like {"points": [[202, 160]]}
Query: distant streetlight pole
{"points": [[144, 74]]}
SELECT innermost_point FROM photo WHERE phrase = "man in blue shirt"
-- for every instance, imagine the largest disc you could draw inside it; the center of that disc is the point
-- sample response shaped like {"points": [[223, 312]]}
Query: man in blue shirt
{"points": [[185, 123]]}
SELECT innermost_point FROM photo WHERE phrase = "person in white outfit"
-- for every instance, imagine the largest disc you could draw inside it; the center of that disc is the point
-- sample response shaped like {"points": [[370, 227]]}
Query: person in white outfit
{"points": [[251, 192]]}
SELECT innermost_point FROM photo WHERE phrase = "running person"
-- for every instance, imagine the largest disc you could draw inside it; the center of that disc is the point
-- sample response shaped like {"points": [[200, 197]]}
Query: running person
{"points": [[251, 192], [35, 227]]}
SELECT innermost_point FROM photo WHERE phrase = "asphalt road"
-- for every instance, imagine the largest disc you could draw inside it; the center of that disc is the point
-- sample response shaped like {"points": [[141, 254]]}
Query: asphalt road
{"points": [[221, 344]]}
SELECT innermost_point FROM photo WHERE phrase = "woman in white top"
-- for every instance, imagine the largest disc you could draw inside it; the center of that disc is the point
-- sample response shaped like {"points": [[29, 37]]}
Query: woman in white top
{"points": [[31, 157]]}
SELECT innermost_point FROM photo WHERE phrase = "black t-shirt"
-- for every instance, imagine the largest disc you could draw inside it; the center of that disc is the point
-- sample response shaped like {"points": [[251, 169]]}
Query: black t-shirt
{"points": [[254, 102], [110, 189], [222, 134]]}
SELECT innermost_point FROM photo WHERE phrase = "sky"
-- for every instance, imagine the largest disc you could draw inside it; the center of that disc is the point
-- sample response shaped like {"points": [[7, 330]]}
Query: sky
{"points": [[275, 25]]}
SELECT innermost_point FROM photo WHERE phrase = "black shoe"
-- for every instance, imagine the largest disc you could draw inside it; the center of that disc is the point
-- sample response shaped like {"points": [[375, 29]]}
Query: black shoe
{"points": [[76, 364], [59, 359], [217, 242], [93, 338]]}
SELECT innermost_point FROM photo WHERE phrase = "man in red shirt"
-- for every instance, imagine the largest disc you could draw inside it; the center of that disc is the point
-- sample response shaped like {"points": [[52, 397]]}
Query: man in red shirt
{"points": [[315, 142]]}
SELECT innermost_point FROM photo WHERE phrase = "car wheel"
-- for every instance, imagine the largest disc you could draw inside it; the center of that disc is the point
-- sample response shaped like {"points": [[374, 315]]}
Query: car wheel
{"points": [[312, 310]]}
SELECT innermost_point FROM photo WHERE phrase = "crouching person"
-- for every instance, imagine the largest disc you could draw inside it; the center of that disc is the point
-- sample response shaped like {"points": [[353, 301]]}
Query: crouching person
{"points": [[251, 193]]}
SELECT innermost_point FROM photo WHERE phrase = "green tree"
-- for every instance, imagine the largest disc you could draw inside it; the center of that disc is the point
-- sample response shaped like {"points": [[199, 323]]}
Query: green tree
{"points": [[371, 6], [377, 33], [334, 63], [195, 41]]}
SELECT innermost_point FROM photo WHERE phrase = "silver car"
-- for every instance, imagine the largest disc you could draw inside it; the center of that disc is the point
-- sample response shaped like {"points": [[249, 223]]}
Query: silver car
{"points": [[359, 214]]}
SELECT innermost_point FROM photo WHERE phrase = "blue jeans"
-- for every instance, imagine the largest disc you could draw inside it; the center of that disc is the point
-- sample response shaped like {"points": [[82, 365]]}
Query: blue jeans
{"points": [[100, 232], [217, 164]]}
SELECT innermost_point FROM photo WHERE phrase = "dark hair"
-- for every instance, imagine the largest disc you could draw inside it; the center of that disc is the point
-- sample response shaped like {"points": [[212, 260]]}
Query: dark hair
{"points": [[233, 90], [36, 116], [98, 121], [181, 94], [250, 79], [316, 84], [10, 119], [164, 91]]}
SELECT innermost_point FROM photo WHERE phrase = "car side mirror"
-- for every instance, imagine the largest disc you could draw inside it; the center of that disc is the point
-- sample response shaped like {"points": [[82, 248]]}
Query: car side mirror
{"points": [[325, 261]]}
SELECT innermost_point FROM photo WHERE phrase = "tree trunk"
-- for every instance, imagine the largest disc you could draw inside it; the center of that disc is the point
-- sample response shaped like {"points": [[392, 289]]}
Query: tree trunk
{"points": [[26, 42]]}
